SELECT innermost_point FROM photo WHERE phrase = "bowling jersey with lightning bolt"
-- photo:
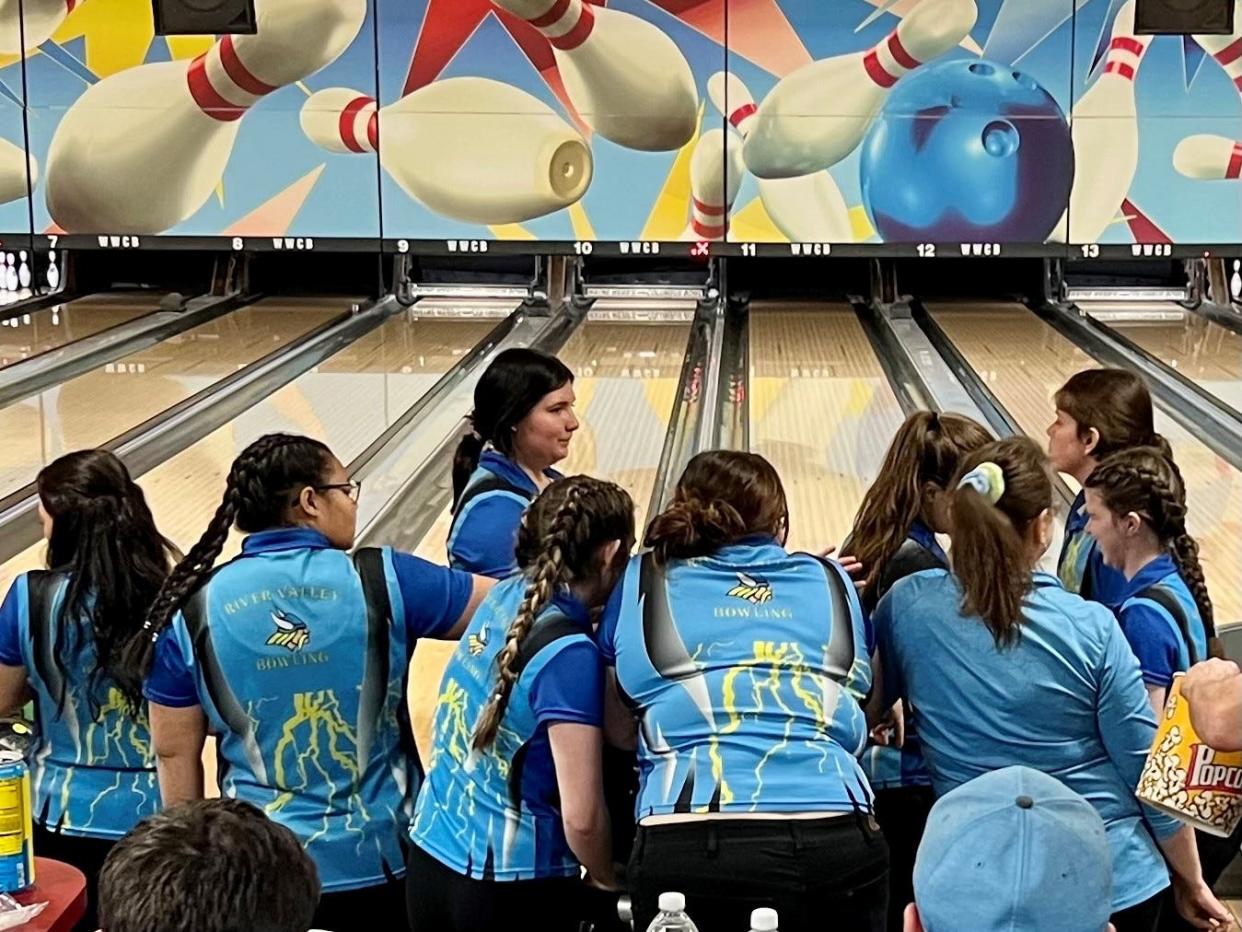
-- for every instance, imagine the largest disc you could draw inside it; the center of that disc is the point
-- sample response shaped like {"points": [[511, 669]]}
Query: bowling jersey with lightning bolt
{"points": [[1081, 566], [92, 766], [301, 672], [746, 670]]}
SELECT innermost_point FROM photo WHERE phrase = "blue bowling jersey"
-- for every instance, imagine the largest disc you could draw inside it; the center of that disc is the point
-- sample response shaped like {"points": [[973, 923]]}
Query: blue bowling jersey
{"points": [[494, 815], [298, 655], [1081, 565], [483, 536], [1066, 699], [746, 670], [92, 766], [1153, 633]]}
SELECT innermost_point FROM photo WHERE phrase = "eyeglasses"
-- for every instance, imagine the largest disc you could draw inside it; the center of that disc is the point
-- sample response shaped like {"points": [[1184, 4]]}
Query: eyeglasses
{"points": [[352, 488]]}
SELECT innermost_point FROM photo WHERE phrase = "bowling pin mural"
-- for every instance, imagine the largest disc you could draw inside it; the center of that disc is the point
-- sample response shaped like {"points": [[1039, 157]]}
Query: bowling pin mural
{"points": [[143, 149], [1106, 139], [716, 168], [626, 78], [805, 208], [1205, 157], [817, 115], [41, 19], [1227, 50], [469, 148], [14, 164]]}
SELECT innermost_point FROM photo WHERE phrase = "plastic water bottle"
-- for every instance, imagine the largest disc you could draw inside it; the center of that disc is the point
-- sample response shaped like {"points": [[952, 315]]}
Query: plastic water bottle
{"points": [[672, 917], [763, 920]]}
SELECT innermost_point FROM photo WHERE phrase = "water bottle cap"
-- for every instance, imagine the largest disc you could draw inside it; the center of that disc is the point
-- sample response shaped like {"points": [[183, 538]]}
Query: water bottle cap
{"points": [[763, 920], [672, 902]]}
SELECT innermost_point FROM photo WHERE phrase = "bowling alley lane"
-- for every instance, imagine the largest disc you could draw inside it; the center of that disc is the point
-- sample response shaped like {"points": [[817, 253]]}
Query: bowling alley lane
{"points": [[821, 410], [1203, 351], [1024, 361], [107, 401], [625, 380], [52, 327], [346, 401]]}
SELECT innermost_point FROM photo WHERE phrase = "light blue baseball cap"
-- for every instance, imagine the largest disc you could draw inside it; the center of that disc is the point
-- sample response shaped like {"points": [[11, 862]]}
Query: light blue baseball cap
{"points": [[1013, 850]]}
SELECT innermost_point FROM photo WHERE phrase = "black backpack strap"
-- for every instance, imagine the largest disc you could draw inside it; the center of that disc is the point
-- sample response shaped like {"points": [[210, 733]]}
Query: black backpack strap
{"points": [[41, 589], [1169, 602], [369, 562], [492, 483]]}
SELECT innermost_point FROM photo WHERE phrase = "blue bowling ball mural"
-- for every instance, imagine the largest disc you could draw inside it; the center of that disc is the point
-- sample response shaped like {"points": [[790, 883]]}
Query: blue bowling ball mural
{"points": [[967, 151]]}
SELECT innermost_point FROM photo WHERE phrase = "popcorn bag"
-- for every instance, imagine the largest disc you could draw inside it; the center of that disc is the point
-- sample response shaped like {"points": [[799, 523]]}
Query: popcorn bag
{"points": [[1188, 779]]}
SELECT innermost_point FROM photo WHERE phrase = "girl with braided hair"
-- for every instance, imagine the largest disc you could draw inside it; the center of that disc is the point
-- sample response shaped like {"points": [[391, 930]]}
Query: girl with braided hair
{"points": [[521, 426], [295, 656], [62, 632], [1136, 507], [746, 666], [513, 802], [1099, 412]]}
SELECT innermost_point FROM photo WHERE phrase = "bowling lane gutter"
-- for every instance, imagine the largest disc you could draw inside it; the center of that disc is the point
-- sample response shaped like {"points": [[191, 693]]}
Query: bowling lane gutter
{"points": [[62, 363], [1202, 414], [38, 302], [995, 414], [1218, 314], [411, 502], [150, 443]]}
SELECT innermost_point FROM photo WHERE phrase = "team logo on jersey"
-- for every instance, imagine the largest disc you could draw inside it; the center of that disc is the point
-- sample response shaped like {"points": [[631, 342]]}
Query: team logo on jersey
{"points": [[753, 589], [290, 633], [477, 643]]}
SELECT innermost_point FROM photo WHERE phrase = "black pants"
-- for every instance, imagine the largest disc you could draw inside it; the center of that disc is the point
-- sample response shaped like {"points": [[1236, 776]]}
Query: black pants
{"points": [[821, 874], [87, 855], [1215, 854], [902, 814], [1141, 917], [441, 900], [367, 909]]}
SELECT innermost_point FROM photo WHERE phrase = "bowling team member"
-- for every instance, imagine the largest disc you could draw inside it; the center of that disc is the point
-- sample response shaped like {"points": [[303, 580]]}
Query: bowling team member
{"points": [[1007, 668], [62, 631], [746, 666], [513, 802], [295, 656], [894, 535], [1098, 413], [523, 420], [1136, 507]]}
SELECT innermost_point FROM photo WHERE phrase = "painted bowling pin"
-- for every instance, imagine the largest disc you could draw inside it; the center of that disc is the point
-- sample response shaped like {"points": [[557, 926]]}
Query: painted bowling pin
{"points": [[1208, 158], [818, 114], [469, 148], [144, 149], [1106, 140], [806, 208], [716, 169], [627, 79], [1227, 50], [41, 19], [14, 164]]}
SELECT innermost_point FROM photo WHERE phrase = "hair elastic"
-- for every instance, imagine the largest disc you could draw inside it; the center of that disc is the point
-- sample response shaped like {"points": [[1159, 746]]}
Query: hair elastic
{"points": [[988, 479]]}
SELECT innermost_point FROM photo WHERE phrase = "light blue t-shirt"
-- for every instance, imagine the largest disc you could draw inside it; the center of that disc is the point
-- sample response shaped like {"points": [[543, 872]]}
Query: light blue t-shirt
{"points": [[746, 669], [1066, 698], [92, 768]]}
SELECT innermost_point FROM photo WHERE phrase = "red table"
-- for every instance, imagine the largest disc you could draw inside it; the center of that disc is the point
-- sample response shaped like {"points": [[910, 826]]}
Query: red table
{"points": [[64, 889]]}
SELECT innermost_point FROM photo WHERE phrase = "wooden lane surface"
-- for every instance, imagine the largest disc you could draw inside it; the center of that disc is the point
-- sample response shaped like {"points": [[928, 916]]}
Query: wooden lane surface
{"points": [[51, 327]]}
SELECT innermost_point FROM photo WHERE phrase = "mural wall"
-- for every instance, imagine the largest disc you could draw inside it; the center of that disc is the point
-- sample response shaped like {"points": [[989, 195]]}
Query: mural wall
{"points": [[855, 121]]}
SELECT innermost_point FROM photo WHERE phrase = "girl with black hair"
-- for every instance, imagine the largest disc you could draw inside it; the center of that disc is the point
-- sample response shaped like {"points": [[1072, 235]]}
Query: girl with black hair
{"points": [[523, 421], [62, 631], [295, 655]]}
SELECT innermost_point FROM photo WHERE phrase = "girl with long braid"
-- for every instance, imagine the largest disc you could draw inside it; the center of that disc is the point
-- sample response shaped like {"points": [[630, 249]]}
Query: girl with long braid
{"points": [[62, 632], [1136, 507], [295, 655], [513, 803]]}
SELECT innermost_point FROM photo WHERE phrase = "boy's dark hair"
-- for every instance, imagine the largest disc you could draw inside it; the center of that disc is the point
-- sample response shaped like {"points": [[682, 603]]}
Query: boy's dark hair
{"points": [[216, 865]]}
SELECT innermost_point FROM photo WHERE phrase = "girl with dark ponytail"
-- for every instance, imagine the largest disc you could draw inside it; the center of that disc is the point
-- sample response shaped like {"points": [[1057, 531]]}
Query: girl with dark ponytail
{"points": [[62, 631], [513, 802], [1004, 667], [522, 423], [746, 666], [1099, 412], [295, 655], [894, 536]]}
